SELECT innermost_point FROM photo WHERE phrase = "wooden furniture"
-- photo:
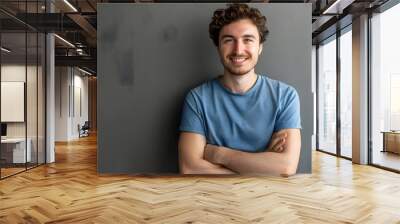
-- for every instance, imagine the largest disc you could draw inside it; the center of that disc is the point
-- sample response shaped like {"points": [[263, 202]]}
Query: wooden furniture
{"points": [[391, 141]]}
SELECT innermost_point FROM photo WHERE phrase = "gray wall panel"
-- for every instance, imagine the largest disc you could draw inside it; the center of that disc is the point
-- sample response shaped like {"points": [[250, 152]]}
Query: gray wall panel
{"points": [[150, 55]]}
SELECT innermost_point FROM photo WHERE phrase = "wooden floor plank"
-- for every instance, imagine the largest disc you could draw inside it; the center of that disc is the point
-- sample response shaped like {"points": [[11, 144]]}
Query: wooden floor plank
{"points": [[71, 191]]}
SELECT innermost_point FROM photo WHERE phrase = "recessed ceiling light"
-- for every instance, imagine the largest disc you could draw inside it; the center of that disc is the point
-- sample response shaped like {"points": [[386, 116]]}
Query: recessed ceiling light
{"points": [[70, 5], [5, 50], [64, 40], [337, 7], [84, 71]]}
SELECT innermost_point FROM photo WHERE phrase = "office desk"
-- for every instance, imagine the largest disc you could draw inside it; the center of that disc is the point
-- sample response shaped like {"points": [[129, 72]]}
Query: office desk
{"points": [[13, 150], [391, 141]]}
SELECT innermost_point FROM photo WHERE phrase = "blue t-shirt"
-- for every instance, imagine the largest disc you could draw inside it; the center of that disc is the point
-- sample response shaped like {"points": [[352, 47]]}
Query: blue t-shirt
{"points": [[241, 121]]}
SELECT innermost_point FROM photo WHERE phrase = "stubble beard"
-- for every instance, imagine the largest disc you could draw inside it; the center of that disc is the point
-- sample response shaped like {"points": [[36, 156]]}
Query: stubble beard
{"points": [[238, 72]]}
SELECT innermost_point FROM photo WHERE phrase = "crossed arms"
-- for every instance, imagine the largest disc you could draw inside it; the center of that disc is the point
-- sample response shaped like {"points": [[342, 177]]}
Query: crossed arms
{"points": [[281, 158]]}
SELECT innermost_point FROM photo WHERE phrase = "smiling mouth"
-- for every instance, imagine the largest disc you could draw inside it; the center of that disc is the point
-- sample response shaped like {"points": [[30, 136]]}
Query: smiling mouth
{"points": [[238, 60]]}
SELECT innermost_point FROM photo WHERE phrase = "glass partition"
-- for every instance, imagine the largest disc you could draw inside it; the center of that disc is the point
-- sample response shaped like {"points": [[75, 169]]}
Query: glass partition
{"points": [[14, 153], [41, 87], [346, 93], [327, 96], [385, 89], [31, 99], [22, 77]]}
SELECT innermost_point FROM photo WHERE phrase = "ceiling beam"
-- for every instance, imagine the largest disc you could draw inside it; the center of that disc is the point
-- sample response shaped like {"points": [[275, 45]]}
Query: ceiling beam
{"points": [[84, 61], [85, 25]]}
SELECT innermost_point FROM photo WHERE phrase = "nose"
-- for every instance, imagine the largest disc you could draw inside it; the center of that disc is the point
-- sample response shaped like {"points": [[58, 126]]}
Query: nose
{"points": [[238, 47]]}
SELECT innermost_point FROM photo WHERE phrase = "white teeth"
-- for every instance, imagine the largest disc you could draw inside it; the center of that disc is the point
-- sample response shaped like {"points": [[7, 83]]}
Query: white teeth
{"points": [[238, 59]]}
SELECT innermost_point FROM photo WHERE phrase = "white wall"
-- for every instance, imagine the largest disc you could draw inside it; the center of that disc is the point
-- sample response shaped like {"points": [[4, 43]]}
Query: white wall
{"points": [[17, 73], [33, 126], [61, 103], [71, 94], [79, 111], [14, 73]]}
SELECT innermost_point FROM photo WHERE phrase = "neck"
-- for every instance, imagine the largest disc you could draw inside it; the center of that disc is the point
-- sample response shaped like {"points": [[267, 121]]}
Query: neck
{"points": [[239, 83]]}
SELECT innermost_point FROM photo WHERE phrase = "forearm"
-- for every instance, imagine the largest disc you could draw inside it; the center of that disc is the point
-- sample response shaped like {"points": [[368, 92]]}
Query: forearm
{"points": [[258, 163], [204, 167], [283, 162]]}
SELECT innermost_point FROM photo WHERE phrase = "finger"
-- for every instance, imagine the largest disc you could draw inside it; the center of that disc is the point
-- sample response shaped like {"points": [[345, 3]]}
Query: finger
{"points": [[273, 143], [276, 138], [281, 134], [209, 153], [210, 146], [279, 145], [282, 145]]}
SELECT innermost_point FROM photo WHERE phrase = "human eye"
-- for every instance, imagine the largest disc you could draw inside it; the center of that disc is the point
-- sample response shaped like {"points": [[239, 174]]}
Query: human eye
{"points": [[248, 40], [227, 40]]}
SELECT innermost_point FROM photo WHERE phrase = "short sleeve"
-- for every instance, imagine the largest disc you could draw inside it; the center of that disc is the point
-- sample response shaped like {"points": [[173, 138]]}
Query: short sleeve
{"points": [[191, 120], [289, 111]]}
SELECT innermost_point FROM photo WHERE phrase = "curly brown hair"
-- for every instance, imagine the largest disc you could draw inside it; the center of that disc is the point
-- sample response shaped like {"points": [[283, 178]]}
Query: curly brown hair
{"points": [[235, 12]]}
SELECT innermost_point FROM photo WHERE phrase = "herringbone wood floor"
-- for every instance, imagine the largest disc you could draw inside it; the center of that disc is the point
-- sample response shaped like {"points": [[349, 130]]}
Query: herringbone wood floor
{"points": [[70, 191]]}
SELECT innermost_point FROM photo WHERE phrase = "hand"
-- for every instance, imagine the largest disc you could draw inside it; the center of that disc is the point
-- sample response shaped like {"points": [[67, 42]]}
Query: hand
{"points": [[213, 154], [277, 142]]}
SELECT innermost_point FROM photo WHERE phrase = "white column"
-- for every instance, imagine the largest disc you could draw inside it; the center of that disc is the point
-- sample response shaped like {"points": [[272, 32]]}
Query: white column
{"points": [[360, 90], [50, 93]]}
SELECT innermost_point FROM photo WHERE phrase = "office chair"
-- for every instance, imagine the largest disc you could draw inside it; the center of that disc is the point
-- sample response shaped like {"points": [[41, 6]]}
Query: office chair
{"points": [[84, 130]]}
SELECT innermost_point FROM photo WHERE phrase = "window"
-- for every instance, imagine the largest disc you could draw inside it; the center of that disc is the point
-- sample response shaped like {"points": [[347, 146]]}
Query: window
{"points": [[385, 88], [346, 93], [327, 96]]}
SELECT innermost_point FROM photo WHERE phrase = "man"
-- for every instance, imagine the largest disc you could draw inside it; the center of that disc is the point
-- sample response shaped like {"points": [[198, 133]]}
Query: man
{"points": [[240, 122]]}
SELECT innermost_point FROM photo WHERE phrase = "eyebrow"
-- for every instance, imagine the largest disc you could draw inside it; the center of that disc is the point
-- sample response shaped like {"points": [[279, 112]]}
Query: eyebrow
{"points": [[249, 36], [246, 36]]}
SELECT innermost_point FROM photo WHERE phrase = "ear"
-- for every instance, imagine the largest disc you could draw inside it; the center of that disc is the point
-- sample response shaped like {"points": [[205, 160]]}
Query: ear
{"points": [[261, 49]]}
